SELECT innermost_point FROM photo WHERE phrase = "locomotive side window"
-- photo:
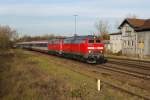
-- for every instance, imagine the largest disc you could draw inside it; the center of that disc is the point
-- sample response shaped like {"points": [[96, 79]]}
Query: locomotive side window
{"points": [[82, 41], [91, 41], [98, 41], [67, 41], [78, 41]]}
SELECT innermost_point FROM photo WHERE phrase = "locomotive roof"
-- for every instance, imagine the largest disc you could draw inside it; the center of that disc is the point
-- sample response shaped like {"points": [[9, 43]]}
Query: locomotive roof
{"points": [[82, 37], [75, 37]]}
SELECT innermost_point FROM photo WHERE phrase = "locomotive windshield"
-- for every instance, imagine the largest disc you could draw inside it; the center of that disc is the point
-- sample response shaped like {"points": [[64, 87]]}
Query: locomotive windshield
{"points": [[96, 41], [91, 41]]}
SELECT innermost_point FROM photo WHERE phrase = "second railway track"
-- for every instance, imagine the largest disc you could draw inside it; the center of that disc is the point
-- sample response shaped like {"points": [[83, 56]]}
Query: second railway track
{"points": [[131, 72], [135, 63]]}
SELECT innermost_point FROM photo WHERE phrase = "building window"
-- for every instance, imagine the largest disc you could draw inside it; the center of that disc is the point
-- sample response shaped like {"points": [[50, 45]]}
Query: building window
{"points": [[124, 43], [132, 43], [128, 30], [129, 33], [128, 43]]}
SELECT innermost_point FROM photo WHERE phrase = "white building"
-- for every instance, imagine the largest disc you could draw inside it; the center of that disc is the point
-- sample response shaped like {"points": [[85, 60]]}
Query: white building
{"points": [[116, 42], [135, 36]]}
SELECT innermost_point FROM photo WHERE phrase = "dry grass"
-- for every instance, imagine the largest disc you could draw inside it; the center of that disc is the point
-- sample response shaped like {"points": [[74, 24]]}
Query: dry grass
{"points": [[31, 76], [20, 80]]}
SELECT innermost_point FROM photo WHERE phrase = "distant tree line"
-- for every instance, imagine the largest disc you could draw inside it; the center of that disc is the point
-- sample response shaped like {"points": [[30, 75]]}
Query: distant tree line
{"points": [[7, 37]]}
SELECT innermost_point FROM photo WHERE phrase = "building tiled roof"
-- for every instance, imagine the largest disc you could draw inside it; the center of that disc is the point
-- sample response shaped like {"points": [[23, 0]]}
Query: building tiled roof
{"points": [[137, 24]]}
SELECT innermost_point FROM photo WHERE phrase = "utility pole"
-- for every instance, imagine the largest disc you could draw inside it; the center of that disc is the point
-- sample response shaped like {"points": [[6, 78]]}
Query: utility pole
{"points": [[75, 27]]}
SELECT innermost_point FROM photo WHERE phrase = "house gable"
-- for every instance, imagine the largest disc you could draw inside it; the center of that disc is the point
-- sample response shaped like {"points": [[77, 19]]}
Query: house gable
{"points": [[127, 30], [137, 24]]}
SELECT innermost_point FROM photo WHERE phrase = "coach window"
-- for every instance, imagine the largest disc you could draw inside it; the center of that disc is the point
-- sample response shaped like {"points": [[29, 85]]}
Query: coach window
{"points": [[39, 45], [45, 44], [91, 41]]}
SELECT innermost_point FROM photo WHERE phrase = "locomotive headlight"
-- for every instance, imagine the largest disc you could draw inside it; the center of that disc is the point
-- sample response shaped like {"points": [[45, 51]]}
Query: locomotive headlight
{"points": [[99, 47], [89, 51], [90, 47]]}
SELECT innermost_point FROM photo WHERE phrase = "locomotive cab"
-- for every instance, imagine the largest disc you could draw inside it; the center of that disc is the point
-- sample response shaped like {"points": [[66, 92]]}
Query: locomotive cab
{"points": [[95, 50]]}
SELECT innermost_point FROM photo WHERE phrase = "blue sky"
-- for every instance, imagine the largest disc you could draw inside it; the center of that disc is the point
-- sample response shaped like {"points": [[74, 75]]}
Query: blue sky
{"points": [[39, 17]]}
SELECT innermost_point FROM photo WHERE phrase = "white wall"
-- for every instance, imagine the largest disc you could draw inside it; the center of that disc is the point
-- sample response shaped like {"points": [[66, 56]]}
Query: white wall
{"points": [[115, 43], [128, 40], [145, 37]]}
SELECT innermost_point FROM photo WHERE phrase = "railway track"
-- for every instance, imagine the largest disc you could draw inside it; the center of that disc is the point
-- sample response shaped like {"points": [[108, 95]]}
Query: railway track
{"points": [[128, 62], [122, 70], [140, 66], [127, 59]]}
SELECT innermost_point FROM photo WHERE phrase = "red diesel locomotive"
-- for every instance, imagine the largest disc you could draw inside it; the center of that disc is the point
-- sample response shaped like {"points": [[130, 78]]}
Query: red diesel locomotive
{"points": [[85, 48]]}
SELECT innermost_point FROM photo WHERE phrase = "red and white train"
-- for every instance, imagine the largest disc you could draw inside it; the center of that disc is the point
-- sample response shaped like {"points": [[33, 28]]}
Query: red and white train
{"points": [[85, 48]]}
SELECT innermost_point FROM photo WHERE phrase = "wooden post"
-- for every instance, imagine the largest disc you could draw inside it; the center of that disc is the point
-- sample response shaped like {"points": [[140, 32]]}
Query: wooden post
{"points": [[98, 84]]}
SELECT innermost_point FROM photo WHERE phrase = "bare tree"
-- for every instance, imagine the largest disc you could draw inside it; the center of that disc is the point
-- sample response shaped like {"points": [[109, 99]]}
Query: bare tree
{"points": [[103, 28], [117, 24], [7, 35]]}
